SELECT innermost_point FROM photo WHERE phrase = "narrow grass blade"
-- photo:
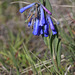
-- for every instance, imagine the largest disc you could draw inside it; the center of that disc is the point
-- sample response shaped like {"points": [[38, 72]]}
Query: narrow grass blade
{"points": [[48, 5]]}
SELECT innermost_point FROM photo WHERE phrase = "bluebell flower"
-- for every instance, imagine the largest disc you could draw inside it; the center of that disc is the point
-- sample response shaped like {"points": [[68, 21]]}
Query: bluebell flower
{"points": [[46, 35], [26, 7], [42, 17], [41, 30], [46, 10], [54, 32], [50, 22], [46, 29], [36, 29], [51, 25]]}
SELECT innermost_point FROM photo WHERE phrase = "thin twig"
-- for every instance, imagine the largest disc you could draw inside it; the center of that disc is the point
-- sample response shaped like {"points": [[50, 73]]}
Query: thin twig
{"points": [[39, 65], [22, 15], [50, 66], [20, 2], [55, 5], [67, 70], [67, 6], [5, 69]]}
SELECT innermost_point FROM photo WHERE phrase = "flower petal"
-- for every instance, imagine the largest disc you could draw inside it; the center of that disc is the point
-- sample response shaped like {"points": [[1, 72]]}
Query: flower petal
{"points": [[42, 19], [51, 25], [41, 30], [54, 32], [50, 22], [26, 7], [46, 28], [46, 35], [36, 30], [46, 10]]}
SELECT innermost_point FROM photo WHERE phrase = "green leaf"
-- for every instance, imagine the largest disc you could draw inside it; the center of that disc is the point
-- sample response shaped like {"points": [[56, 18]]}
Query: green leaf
{"points": [[48, 5], [45, 40], [59, 53]]}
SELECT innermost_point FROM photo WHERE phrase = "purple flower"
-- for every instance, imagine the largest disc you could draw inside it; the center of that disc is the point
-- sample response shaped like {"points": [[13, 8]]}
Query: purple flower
{"points": [[41, 22], [51, 25], [26, 7], [41, 31], [54, 32], [46, 10], [42, 17], [46, 29], [46, 35], [50, 22], [36, 29]]}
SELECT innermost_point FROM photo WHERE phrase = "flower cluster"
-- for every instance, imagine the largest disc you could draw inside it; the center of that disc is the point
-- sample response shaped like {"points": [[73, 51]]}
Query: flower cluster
{"points": [[39, 18]]}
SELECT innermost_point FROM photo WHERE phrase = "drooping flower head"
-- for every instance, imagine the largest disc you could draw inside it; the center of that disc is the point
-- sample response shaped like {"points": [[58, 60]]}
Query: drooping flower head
{"points": [[46, 10], [39, 20], [42, 16], [24, 8], [51, 25], [36, 30]]}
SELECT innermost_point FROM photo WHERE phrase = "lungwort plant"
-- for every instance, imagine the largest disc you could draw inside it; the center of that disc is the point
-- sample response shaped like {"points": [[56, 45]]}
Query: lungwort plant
{"points": [[15, 57], [40, 20]]}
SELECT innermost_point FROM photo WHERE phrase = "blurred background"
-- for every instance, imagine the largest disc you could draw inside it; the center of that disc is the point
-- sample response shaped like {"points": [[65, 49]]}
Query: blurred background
{"points": [[14, 31]]}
